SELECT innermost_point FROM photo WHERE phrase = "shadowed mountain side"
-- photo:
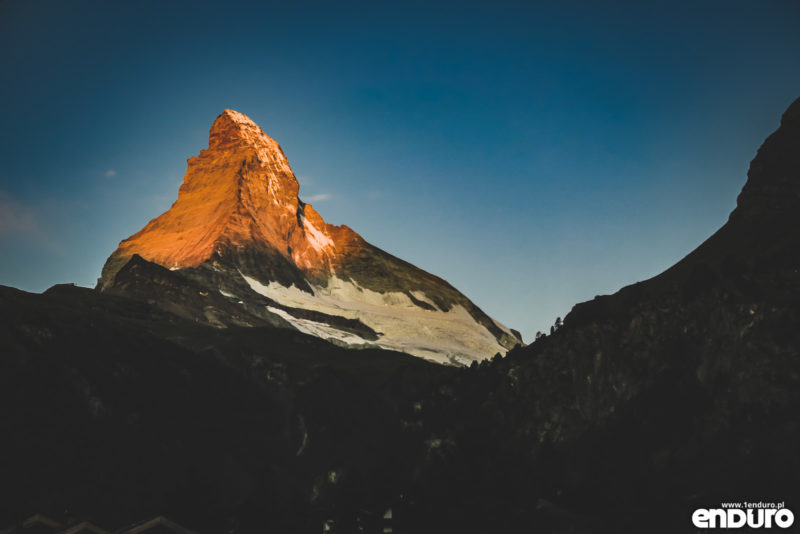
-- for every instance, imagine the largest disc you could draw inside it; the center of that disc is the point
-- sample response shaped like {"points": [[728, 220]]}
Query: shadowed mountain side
{"points": [[113, 409], [183, 293], [676, 393]]}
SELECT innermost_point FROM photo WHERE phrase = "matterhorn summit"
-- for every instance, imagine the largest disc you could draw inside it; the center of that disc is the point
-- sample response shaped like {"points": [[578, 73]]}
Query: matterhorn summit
{"points": [[239, 248]]}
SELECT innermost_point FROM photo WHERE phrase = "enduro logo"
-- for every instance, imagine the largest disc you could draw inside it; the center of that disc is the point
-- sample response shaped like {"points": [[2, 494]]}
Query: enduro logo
{"points": [[746, 514]]}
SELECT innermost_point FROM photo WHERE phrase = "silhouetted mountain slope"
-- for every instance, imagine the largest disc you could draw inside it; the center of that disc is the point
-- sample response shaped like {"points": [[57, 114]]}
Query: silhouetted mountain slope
{"points": [[675, 393]]}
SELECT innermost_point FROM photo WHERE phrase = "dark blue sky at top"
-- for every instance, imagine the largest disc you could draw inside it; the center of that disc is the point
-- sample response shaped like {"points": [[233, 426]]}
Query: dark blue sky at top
{"points": [[533, 154]]}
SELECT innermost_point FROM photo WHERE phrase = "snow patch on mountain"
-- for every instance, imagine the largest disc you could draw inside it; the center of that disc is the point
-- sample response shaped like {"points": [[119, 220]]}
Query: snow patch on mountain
{"points": [[321, 330], [317, 239], [446, 337], [504, 328]]}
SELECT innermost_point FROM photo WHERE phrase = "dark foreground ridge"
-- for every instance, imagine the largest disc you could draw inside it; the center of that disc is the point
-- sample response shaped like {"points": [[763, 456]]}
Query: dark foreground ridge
{"points": [[114, 410], [677, 393]]}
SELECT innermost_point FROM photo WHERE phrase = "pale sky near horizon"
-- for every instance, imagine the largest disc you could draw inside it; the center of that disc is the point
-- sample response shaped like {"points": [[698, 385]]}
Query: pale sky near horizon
{"points": [[532, 154]]}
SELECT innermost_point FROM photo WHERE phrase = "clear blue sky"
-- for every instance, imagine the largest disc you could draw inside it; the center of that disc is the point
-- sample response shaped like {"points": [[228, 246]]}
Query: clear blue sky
{"points": [[533, 154]]}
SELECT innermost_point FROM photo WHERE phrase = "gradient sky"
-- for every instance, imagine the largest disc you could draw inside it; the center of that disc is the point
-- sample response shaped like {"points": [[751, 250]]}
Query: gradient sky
{"points": [[533, 154]]}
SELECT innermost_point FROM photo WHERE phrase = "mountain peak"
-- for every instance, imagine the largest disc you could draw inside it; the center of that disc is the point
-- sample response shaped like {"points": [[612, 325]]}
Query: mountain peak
{"points": [[239, 227], [771, 196], [239, 192], [231, 119], [232, 128], [792, 112], [237, 117]]}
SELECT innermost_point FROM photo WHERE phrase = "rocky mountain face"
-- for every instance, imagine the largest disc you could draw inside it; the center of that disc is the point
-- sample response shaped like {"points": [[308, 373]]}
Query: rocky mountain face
{"points": [[239, 247]]}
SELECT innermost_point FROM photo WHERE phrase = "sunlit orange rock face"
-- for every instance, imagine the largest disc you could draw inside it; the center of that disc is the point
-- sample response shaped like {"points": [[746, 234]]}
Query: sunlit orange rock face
{"points": [[242, 249], [240, 191]]}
